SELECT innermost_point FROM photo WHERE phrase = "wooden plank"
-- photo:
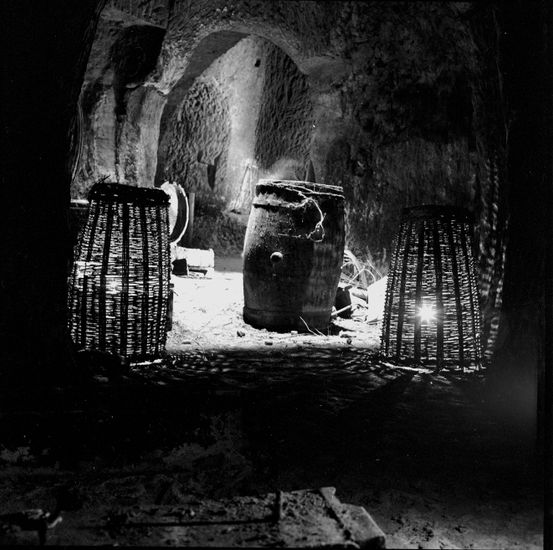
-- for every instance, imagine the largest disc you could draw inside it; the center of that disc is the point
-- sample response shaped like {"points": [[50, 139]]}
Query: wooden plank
{"points": [[298, 519], [355, 520]]}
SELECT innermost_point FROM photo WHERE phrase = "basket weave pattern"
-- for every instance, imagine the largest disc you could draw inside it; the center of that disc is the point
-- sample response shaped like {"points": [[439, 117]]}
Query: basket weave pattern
{"points": [[119, 285], [433, 272]]}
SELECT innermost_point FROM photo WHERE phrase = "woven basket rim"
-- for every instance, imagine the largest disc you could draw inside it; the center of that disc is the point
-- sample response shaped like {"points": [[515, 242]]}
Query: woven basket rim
{"points": [[122, 193], [436, 210]]}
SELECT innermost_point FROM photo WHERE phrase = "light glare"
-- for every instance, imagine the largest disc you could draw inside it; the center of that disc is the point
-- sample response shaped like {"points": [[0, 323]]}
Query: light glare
{"points": [[427, 313]]}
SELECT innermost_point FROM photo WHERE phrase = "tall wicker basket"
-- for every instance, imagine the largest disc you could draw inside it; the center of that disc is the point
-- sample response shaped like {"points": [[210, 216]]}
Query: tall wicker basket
{"points": [[119, 287], [432, 313]]}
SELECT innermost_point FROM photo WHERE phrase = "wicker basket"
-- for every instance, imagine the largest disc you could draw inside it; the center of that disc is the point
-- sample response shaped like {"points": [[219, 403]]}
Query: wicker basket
{"points": [[119, 287], [432, 313]]}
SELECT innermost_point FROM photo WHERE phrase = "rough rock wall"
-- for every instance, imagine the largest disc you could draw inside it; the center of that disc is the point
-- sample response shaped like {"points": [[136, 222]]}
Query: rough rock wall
{"points": [[378, 182], [515, 135], [405, 109], [239, 75], [197, 141], [241, 71], [97, 150], [112, 94], [284, 125], [96, 128], [491, 129], [44, 50], [139, 12], [300, 28]]}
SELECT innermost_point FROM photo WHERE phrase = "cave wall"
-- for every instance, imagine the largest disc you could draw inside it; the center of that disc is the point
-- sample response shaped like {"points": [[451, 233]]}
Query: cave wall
{"points": [[112, 100], [95, 131], [255, 122], [198, 138], [283, 131], [216, 120], [196, 156], [241, 72], [45, 46], [236, 77], [522, 371], [405, 111], [379, 182]]}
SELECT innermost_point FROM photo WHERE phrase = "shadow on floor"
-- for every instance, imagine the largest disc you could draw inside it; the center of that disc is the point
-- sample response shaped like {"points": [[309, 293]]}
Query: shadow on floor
{"points": [[405, 444]]}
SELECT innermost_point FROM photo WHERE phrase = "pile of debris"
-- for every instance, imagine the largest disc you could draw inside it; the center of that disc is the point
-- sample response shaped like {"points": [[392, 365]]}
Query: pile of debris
{"points": [[356, 298]]}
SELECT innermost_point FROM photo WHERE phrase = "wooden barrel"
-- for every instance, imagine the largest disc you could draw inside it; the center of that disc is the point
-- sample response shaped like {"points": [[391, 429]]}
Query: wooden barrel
{"points": [[293, 253]]}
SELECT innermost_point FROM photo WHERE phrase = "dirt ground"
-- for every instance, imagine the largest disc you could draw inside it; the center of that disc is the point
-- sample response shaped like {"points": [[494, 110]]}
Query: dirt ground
{"points": [[232, 410], [207, 314]]}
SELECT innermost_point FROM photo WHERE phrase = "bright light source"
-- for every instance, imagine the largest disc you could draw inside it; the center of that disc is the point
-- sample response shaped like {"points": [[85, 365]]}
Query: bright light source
{"points": [[427, 313]]}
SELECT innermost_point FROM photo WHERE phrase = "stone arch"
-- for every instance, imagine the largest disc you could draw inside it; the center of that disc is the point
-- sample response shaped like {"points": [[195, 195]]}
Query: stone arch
{"points": [[205, 53], [197, 139], [215, 44], [192, 39], [269, 133]]}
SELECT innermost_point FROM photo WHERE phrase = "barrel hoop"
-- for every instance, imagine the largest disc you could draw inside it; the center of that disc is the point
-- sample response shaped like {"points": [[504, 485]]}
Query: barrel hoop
{"points": [[288, 312]]}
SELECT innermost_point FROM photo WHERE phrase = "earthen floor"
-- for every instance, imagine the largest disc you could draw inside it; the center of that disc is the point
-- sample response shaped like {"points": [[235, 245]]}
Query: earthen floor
{"points": [[426, 454]]}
